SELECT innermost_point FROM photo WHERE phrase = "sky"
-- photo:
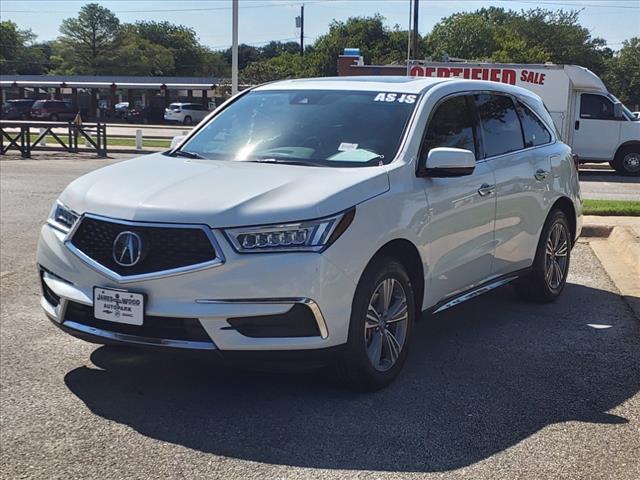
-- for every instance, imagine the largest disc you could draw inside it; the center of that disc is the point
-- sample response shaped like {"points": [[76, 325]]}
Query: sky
{"points": [[263, 20]]}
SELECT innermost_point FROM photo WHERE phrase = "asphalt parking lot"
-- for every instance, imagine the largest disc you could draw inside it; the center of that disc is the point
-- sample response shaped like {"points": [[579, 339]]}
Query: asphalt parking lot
{"points": [[493, 388]]}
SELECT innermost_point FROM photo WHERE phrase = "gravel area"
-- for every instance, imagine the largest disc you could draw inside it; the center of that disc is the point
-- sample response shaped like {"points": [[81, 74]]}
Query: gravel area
{"points": [[493, 388]]}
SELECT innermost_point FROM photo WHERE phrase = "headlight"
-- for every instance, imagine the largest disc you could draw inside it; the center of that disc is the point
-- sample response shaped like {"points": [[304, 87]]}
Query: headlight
{"points": [[62, 217], [308, 236]]}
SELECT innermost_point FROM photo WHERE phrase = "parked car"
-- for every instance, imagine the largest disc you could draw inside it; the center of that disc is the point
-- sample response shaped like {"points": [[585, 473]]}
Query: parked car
{"points": [[591, 120], [121, 109], [137, 115], [53, 110], [186, 113], [315, 220], [17, 109]]}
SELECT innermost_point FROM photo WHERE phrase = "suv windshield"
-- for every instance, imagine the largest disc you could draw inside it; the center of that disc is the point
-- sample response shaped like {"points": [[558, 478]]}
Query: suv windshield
{"points": [[328, 128]]}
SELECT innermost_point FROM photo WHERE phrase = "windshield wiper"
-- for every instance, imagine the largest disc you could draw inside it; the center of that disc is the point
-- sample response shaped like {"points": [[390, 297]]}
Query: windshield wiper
{"points": [[185, 153]]}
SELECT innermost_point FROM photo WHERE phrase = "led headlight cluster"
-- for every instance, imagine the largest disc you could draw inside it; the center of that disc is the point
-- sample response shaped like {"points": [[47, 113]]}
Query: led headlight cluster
{"points": [[309, 236], [62, 217]]}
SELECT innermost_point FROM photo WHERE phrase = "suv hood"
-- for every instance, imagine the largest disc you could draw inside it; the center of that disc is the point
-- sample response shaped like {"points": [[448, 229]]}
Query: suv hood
{"points": [[159, 188]]}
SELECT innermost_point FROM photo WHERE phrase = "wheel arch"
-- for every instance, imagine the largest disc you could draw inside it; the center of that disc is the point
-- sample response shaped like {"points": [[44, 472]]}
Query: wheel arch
{"points": [[630, 143], [565, 205], [407, 254]]}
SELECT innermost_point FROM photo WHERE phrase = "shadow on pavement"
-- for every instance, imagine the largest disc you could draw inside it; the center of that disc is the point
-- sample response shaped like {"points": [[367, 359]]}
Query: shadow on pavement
{"points": [[480, 378]]}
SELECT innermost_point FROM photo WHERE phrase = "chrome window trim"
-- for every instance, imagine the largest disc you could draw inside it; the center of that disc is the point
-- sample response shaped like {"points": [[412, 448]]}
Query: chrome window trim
{"points": [[135, 339], [313, 306], [124, 279], [514, 98]]}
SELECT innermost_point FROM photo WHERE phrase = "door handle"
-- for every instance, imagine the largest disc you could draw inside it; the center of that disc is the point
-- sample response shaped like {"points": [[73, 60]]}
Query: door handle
{"points": [[577, 125], [486, 189], [541, 174]]}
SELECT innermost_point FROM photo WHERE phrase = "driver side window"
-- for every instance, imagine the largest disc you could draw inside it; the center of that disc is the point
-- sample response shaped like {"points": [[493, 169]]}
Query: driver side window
{"points": [[596, 107], [450, 126]]}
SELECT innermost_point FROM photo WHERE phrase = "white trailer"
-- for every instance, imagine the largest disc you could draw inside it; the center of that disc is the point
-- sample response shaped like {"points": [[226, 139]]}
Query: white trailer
{"points": [[597, 126]]}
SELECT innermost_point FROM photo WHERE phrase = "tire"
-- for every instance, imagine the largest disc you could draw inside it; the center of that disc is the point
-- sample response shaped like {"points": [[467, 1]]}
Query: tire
{"points": [[187, 120], [360, 367], [627, 161], [545, 283], [53, 117]]}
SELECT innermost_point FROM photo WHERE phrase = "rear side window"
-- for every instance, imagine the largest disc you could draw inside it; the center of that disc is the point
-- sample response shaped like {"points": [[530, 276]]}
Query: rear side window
{"points": [[596, 107], [501, 130], [535, 132], [451, 126], [39, 104]]}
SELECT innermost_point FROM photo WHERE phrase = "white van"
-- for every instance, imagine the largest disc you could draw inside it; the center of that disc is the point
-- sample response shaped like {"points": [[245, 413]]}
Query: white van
{"points": [[597, 126]]}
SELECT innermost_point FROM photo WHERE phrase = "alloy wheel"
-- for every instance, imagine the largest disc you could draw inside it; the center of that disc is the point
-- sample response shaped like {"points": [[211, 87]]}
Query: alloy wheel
{"points": [[556, 256], [386, 324]]}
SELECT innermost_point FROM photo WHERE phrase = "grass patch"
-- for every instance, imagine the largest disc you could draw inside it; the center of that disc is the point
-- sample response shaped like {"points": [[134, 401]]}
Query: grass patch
{"points": [[111, 142], [616, 208]]}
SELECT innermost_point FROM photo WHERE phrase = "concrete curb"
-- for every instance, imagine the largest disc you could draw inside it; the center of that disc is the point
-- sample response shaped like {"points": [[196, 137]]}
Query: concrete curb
{"points": [[618, 249]]}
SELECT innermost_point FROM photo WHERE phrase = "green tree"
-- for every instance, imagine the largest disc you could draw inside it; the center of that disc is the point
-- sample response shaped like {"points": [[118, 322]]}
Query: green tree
{"points": [[89, 41], [246, 55], [533, 36], [138, 56], [18, 53], [377, 43], [285, 65], [275, 48], [189, 55], [623, 73]]}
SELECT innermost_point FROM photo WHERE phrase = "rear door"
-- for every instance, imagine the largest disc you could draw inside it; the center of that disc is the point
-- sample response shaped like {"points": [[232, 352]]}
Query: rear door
{"points": [[596, 130], [522, 170], [462, 209]]}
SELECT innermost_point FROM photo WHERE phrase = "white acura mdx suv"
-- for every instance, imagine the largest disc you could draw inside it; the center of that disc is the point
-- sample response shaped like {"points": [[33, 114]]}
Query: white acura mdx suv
{"points": [[317, 219]]}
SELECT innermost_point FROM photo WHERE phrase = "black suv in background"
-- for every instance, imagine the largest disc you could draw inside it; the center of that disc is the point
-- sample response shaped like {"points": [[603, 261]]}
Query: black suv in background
{"points": [[53, 110], [17, 109]]}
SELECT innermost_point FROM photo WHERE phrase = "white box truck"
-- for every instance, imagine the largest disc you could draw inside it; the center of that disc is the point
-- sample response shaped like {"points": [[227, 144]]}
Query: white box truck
{"points": [[597, 126]]}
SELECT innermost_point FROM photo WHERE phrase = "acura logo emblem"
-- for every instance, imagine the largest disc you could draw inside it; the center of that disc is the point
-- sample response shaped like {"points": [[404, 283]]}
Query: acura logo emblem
{"points": [[127, 248]]}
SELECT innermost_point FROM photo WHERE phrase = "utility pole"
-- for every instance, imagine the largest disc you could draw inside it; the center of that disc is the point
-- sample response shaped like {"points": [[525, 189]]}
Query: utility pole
{"points": [[300, 25], [234, 49], [414, 40]]}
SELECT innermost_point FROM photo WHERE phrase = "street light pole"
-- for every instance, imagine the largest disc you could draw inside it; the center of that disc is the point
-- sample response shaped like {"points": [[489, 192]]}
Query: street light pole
{"points": [[416, 50], [302, 30], [234, 49]]}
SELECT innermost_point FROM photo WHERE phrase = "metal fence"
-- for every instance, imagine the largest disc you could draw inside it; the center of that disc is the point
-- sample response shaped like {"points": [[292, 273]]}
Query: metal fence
{"points": [[27, 136]]}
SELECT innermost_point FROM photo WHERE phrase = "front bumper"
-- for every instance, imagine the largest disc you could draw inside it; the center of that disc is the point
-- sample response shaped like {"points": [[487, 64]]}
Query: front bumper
{"points": [[260, 287]]}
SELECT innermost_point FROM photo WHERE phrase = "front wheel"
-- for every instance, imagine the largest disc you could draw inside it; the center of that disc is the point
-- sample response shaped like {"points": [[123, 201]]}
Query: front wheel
{"points": [[53, 117], [550, 267], [627, 161], [382, 318], [187, 120]]}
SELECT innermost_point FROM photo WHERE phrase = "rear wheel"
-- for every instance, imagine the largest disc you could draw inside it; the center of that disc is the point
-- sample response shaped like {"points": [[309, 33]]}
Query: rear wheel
{"points": [[380, 329], [550, 267], [627, 161]]}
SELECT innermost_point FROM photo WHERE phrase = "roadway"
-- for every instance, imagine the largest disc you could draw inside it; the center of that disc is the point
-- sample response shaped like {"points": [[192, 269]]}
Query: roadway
{"points": [[494, 388]]}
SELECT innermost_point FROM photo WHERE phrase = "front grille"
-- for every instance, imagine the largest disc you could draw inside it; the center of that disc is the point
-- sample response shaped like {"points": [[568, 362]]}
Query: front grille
{"points": [[169, 328], [163, 248]]}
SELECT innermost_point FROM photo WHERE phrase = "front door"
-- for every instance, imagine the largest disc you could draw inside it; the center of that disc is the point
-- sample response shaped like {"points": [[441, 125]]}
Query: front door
{"points": [[460, 236], [596, 130]]}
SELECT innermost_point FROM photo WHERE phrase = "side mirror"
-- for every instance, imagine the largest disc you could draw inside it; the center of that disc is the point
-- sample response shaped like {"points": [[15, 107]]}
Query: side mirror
{"points": [[177, 140], [449, 162], [617, 111]]}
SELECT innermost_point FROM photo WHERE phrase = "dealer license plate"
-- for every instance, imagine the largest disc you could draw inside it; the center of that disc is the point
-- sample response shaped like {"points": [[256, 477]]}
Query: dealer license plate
{"points": [[118, 306]]}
